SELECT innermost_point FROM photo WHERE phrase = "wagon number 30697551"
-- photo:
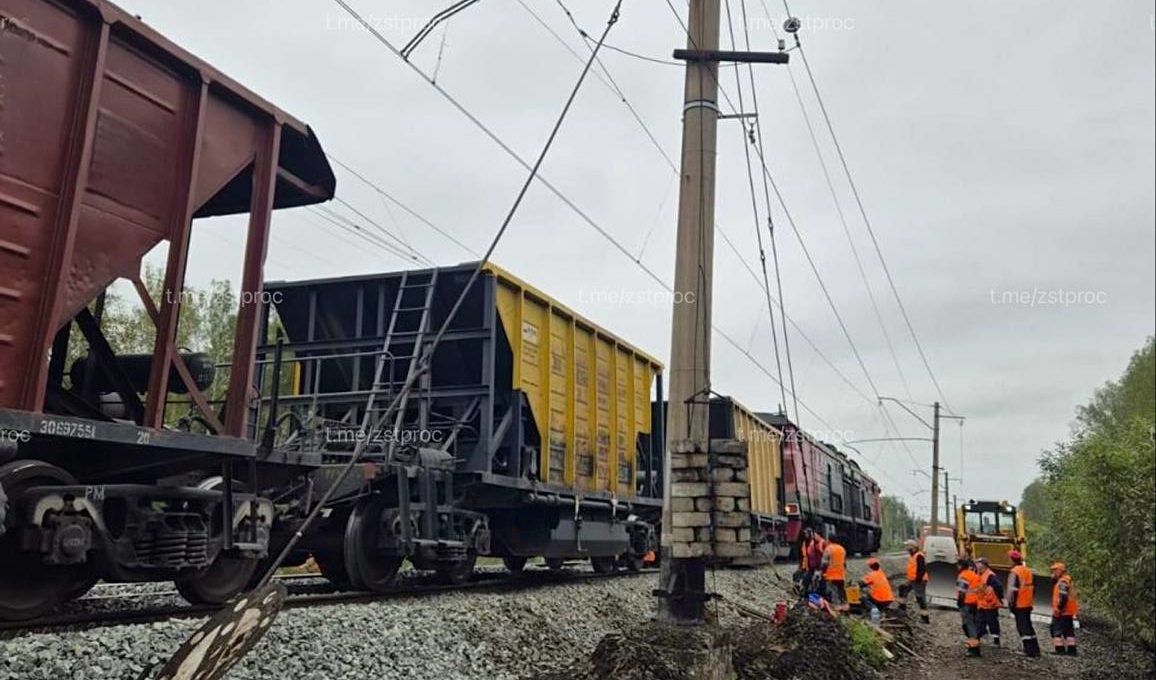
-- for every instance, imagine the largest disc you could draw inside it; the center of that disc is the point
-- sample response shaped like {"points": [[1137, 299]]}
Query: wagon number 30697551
{"points": [[64, 428]]}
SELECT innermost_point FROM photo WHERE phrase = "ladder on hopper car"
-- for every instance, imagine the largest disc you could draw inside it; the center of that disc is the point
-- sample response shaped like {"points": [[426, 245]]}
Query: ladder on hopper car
{"points": [[410, 318]]}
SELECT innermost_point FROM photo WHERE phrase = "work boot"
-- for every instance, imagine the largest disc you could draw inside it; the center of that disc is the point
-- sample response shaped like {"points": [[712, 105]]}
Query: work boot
{"points": [[995, 640], [1072, 650], [1060, 651], [1032, 648], [925, 618], [974, 651]]}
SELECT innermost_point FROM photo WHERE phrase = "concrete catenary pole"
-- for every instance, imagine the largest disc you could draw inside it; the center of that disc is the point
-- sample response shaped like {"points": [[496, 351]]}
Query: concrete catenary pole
{"points": [[690, 342], [935, 470], [946, 499]]}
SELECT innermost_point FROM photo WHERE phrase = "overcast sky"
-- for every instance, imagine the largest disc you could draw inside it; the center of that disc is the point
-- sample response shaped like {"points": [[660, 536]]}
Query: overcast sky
{"points": [[1001, 148]]}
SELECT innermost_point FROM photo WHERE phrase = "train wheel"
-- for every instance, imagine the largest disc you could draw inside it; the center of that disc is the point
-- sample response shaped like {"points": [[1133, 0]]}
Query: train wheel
{"points": [[221, 581], [514, 564], [225, 578], [458, 572], [29, 588], [367, 567], [633, 563], [603, 565]]}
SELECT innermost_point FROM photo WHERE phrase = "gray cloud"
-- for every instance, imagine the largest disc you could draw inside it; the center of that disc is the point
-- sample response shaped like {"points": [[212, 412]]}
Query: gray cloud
{"points": [[998, 146]]}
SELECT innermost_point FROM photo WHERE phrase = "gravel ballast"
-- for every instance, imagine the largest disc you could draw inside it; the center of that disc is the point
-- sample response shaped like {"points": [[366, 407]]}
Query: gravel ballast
{"points": [[449, 636]]}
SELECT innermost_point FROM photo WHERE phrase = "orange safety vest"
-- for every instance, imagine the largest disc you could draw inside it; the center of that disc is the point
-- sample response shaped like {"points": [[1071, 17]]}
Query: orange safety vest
{"points": [[987, 596], [878, 587], [1025, 590], [1073, 606], [836, 569], [967, 582], [804, 549], [913, 567]]}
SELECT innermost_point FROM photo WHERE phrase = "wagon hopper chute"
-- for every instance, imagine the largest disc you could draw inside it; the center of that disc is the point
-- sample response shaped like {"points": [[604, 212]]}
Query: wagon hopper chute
{"points": [[115, 141]]}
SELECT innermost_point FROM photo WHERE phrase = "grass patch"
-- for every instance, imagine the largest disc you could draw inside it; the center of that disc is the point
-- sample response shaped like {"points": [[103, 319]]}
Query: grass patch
{"points": [[865, 642]]}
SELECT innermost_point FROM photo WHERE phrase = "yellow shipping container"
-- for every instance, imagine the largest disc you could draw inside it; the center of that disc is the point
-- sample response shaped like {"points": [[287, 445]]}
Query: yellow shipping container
{"points": [[589, 391]]}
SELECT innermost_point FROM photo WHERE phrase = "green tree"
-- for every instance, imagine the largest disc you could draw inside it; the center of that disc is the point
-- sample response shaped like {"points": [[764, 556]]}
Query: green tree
{"points": [[899, 524], [207, 323], [1095, 506]]}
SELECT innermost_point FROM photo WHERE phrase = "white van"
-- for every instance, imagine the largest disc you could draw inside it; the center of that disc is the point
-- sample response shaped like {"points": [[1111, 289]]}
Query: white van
{"points": [[940, 549]]}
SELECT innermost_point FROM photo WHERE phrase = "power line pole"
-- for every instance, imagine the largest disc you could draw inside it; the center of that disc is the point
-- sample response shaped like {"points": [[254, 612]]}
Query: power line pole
{"points": [[688, 415], [935, 469], [946, 498], [682, 582]]}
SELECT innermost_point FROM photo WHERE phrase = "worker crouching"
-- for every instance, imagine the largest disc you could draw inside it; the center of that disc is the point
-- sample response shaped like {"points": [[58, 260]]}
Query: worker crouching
{"points": [[967, 586], [877, 587], [989, 602], [1021, 595], [1065, 607]]}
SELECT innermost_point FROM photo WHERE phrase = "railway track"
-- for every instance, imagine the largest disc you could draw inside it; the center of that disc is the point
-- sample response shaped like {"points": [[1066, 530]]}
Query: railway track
{"points": [[529, 579]]}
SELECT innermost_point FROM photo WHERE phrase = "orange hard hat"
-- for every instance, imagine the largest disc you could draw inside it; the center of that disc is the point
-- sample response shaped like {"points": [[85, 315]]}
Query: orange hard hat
{"points": [[1058, 566]]}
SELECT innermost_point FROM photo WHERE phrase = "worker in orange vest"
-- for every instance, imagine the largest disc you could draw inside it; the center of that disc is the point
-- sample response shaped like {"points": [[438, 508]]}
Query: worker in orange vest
{"points": [[834, 567], [917, 578], [876, 586], [967, 585], [1065, 607], [1021, 595], [805, 577], [990, 601]]}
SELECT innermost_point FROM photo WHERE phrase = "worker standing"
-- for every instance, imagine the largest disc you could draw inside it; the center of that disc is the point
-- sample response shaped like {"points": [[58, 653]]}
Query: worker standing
{"points": [[917, 577], [1065, 607], [967, 600], [990, 601], [1021, 597], [877, 587], [835, 572], [815, 559], [803, 575]]}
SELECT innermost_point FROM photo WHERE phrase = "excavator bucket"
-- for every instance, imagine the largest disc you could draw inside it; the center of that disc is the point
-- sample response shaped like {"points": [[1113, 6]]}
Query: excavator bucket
{"points": [[1043, 587], [941, 582], [941, 586]]}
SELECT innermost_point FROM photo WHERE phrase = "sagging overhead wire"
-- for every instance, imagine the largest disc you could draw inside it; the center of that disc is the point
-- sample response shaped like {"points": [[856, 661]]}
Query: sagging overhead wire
{"points": [[389, 197], [755, 209], [863, 212], [838, 204], [433, 23]]}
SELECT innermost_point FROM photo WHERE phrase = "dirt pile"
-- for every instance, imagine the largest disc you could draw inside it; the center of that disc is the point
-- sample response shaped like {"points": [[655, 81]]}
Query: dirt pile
{"points": [[653, 651], [810, 645]]}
